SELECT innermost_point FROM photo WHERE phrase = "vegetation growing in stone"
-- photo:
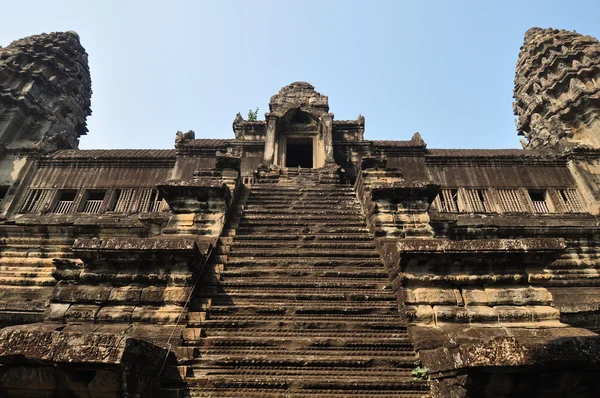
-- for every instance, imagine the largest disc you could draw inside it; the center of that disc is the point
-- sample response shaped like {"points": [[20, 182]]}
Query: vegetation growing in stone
{"points": [[253, 115], [420, 372]]}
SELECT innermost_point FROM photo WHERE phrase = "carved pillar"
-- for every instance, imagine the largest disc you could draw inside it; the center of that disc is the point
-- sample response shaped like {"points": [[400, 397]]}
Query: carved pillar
{"points": [[270, 138], [327, 129]]}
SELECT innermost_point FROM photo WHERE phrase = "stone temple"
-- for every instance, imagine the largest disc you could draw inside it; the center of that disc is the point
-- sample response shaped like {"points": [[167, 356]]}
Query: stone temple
{"points": [[297, 258]]}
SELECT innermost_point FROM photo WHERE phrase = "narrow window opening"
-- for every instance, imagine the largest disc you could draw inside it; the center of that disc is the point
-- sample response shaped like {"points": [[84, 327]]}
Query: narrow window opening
{"points": [[121, 200], [92, 201], [538, 198], [478, 201], [448, 200], [510, 201], [36, 200], [152, 201], [64, 202], [570, 201]]}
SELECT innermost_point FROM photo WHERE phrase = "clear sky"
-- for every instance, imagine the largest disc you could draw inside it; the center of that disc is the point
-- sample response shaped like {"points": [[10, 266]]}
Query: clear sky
{"points": [[443, 68]]}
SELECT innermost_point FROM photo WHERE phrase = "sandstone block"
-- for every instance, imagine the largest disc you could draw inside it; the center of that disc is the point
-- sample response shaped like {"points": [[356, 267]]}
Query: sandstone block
{"points": [[446, 313], [482, 314], [518, 296], [512, 313]]}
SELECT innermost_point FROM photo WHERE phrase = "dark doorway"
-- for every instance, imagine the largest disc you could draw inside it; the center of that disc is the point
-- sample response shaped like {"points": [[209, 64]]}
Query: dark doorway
{"points": [[299, 152]]}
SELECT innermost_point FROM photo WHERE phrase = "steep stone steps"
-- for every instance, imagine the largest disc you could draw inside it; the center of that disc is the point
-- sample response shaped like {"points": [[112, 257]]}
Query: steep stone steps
{"points": [[316, 383], [300, 229], [276, 311], [301, 305], [352, 285], [350, 273], [297, 216], [306, 237], [236, 252], [285, 209], [287, 262], [321, 200], [282, 244], [266, 222]]}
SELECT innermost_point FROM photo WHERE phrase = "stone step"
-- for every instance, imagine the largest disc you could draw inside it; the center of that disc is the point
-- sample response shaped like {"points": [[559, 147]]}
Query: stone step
{"points": [[352, 208], [11, 267], [249, 229], [302, 222], [205, 392], [295, 186], [237, 252], [571, 281], [298, 310], [582, 270], [347, 274], [295, 284], [27, 280], [301, 244], [245, 330], [300, 216], [303, 360], [299, 200], [575, 264], [307, 383], [375, 343], [44, 272], [26, 261], [227, 300], [308, 191], [35, 254], [284, 293], [317, 262], [308, 237], [317, 321], [320, 354]]}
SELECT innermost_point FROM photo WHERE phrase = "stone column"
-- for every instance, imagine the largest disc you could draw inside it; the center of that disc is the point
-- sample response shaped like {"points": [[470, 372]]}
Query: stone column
{"points": [[270, 138], [327, 129]]}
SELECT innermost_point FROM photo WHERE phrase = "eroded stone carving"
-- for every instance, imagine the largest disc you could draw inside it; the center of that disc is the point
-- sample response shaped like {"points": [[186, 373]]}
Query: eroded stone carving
{"points": [[556, 90], [47, 91]]}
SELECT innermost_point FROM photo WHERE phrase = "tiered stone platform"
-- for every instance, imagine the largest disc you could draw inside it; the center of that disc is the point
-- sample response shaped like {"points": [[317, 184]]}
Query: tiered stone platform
{"points": [[300, 304]]}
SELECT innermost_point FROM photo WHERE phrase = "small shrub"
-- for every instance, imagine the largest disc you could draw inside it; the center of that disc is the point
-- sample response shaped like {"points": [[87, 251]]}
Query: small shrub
{"points": [[253, 115], [420, 373]]}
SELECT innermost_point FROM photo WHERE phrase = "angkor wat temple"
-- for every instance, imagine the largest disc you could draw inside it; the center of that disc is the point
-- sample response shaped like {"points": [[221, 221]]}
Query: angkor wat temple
{"points": [[299, 259]]}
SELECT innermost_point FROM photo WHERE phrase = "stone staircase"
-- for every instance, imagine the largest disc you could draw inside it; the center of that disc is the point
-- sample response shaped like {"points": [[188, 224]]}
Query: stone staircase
{"points": [[298, 303]]}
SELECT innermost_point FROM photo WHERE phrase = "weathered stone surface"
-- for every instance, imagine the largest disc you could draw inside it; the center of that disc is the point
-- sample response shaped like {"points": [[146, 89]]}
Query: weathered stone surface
{"points": [[46, 92], [556, 89], [220, 268]]}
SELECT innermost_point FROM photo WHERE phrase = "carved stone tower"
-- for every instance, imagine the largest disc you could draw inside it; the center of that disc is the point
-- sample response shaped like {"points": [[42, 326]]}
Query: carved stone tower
{"points": [[46, 92], [557, 90]]}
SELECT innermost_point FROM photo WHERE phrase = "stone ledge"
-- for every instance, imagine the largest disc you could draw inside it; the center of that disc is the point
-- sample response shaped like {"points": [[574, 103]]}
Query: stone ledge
{"points": [[35, 346], [450, 347], [479, 246]]}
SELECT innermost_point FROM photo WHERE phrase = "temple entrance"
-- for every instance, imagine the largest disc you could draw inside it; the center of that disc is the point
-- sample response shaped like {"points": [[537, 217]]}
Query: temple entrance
{"points": [[299, 152]]}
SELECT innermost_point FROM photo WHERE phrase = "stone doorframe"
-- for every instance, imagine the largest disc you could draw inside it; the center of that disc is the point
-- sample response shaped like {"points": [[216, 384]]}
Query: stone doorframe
{"points": [[276, 142], [318, 148]]}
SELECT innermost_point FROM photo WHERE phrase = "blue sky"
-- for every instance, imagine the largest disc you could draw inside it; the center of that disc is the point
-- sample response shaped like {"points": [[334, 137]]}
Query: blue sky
{"points": [[443, 68]]}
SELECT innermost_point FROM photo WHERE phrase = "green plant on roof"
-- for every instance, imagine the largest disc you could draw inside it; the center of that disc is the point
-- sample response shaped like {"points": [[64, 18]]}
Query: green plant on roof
{"points": [[253, 115]]}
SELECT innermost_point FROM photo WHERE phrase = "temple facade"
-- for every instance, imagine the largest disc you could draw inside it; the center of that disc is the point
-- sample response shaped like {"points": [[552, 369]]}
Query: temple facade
{"points": [[298, 258]]}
